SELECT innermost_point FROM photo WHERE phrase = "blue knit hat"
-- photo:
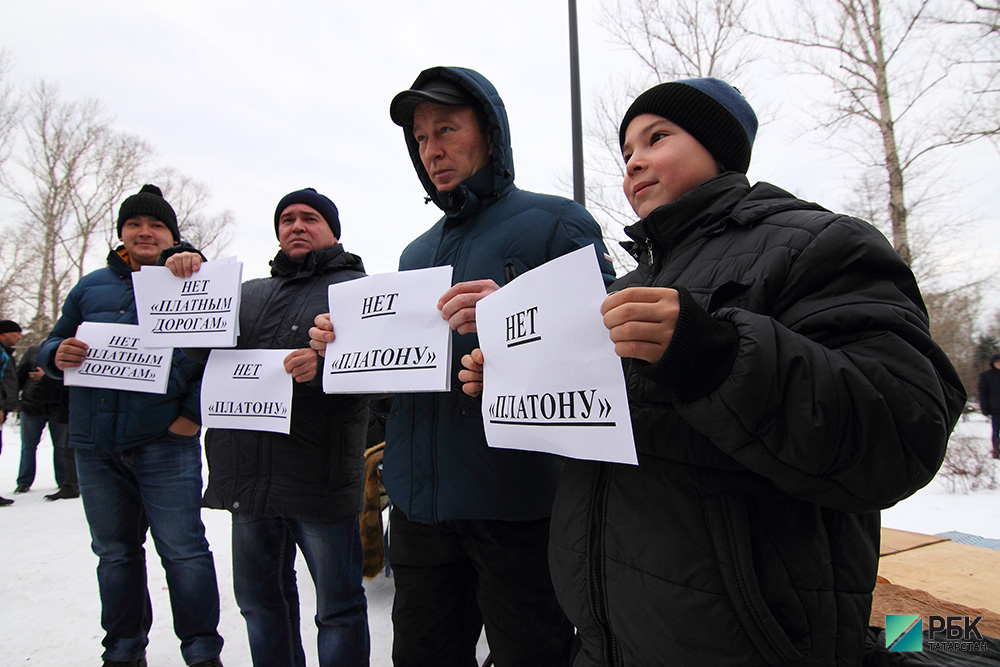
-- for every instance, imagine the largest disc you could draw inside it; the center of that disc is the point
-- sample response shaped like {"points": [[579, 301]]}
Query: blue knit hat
{"points": [[310, 197], [710, 110]]}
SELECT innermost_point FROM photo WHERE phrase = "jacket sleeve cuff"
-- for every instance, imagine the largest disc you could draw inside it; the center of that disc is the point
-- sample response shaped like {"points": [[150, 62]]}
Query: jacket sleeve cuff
{"points": [[700, 355]]}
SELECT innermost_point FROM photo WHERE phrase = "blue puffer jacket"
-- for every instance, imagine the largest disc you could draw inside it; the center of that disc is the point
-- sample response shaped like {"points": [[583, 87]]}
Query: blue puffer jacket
{"points": [[437, 465], [110, 420]]}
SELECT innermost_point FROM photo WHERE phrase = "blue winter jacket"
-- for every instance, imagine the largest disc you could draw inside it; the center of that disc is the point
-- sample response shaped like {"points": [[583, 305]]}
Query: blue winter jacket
{"points": [[437, 465], [110, 420]]}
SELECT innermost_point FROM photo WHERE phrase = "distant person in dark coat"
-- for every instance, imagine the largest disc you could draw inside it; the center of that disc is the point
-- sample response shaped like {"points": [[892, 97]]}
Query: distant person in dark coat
{"points": [[989, 399], [42, 399], [10, 333]]}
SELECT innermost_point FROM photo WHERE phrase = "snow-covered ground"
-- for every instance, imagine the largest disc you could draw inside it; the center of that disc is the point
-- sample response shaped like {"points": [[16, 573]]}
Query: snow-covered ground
{"points": [[50, 612]]}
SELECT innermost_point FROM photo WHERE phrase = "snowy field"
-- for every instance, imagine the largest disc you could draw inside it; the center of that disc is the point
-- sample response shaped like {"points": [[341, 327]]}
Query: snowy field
{"points": [[50, 612]]}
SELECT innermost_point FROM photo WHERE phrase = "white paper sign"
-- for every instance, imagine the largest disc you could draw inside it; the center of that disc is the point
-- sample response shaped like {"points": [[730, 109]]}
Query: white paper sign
{"points": [[552, 381], [247, 390], [117, 358], [200, 311], [390, 336]]}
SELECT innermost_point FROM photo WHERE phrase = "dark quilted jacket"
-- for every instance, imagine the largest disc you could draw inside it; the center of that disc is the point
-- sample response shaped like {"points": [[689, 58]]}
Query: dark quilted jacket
{"points": [[315, 473], [748, 534]]}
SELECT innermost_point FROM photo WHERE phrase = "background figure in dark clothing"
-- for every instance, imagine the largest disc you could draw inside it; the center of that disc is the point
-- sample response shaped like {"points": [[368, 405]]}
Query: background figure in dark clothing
{"points": [[43, 401], [10, 333], [989, 399]]}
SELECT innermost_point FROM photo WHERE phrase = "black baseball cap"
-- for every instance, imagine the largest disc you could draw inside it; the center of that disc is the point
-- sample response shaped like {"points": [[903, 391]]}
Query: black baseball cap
{"points": [[437, 90]]}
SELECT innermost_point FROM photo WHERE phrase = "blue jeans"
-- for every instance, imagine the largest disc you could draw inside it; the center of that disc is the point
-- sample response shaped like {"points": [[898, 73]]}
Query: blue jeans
{"points": [[264, 582], [31, 433], [156, 486]]}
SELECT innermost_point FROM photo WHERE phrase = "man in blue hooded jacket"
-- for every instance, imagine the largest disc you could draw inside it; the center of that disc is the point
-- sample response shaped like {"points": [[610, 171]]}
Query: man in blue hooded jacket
{"points": [[470, 524]]}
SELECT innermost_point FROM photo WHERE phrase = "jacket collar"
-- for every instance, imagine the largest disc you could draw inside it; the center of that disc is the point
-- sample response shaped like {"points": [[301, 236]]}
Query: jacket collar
{"points": [[702, 210], [316, 262], [118, 261], [472, 195]]}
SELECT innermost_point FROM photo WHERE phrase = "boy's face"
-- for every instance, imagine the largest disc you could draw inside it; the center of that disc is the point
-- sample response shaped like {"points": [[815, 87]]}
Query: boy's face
{"points": [[662, 162]]}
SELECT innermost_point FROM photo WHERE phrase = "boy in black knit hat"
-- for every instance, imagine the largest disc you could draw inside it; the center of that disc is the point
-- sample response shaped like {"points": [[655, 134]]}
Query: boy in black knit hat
{"points": [[783, 388]]}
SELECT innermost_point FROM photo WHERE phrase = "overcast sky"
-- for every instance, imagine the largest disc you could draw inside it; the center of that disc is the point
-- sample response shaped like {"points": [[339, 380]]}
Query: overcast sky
{"points": [[256, 99]]}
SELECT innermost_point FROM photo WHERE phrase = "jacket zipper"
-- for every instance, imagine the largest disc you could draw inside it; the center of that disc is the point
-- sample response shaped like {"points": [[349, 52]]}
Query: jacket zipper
{"points": [[596, 555], [596, 558]]}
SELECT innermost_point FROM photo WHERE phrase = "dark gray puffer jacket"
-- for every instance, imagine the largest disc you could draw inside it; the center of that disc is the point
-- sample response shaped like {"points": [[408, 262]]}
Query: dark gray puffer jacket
{"points": [[314, 473]]}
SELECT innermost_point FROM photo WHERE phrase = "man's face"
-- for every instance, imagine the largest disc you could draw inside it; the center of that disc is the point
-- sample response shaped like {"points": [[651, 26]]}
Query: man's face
{"points": [[452, 145], [145, 238], [10, 338], [300, 229], [662, 162]]}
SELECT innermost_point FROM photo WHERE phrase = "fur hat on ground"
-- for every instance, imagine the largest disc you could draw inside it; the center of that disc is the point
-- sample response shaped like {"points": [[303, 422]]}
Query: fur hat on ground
{"points": [[308, 196], [149, 201], [710, 110]]}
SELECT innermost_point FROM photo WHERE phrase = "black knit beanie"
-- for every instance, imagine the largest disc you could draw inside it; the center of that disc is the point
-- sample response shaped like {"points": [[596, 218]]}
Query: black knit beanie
{"points": [[9, 326], [149, 201], [710, 110], [310, 197]]}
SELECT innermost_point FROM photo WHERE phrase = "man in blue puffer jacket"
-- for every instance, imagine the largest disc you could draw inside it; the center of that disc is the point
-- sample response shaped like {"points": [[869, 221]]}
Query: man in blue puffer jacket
{"points": [[470, 524], [138, 456]]}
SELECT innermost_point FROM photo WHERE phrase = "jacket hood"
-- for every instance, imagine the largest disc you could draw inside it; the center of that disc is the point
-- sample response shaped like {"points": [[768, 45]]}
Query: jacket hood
{"points": [[500, 174], [316, 262], [995, 358]]}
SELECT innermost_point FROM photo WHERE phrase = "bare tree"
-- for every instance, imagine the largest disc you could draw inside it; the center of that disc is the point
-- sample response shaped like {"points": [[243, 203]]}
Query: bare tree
{"points": [[15, 284], [9, 108], [73, 168], [680, 39], [684, 38], [210, 232], [953, 315], [888, 72], [980, 56]]}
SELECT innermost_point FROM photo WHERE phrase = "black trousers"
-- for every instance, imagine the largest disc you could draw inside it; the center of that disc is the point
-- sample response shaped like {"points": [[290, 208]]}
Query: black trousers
{"points": [[455, 577]]}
